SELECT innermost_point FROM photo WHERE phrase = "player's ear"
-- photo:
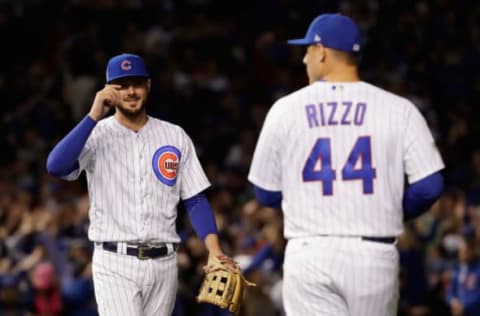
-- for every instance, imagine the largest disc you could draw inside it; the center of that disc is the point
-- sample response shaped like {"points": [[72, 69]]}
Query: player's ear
{"points": [[149, 85], [322, 52]]}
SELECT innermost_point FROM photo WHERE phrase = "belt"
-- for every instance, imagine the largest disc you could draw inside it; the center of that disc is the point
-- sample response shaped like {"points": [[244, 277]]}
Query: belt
{"points": [[141, 251], [385, 240]]}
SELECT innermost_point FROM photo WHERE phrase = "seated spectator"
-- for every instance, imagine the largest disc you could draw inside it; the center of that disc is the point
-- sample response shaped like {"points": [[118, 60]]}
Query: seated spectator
{"points": [[77, 289], [46, 299], [463, 294]]}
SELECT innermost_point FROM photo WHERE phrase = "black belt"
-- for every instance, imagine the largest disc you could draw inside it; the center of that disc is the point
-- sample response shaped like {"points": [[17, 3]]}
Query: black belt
{"points": [[385, 240], [140, 251]]}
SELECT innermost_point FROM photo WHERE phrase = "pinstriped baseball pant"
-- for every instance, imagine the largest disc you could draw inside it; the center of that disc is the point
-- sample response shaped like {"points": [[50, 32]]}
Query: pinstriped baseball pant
{"points": [[126, 285], [340, 276]]}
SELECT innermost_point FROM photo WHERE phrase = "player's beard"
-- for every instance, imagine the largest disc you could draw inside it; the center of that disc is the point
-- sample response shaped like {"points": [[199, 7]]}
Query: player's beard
{"points": [[132, 114]]}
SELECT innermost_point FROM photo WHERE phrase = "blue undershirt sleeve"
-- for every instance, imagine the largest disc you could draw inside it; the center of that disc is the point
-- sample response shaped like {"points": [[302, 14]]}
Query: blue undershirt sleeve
{"points": [[420, 196], [268, 198], [63, 159], [201, 215]]}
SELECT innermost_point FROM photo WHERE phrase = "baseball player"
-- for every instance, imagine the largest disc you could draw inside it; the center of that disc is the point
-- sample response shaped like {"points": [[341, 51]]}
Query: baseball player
{"points": [[138, 169], [334, 156]]}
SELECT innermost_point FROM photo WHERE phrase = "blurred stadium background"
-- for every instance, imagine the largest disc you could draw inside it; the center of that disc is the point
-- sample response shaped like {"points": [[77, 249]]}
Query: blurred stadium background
{"points": [[217, 66]]}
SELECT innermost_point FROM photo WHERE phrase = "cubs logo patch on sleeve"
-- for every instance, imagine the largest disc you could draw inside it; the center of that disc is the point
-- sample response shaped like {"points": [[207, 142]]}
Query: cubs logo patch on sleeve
{"points": [[165, 163]]}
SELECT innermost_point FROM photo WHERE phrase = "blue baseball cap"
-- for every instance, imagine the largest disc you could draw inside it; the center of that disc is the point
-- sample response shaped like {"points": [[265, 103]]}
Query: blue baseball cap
{"points": [[125, 65], [334, 31]]}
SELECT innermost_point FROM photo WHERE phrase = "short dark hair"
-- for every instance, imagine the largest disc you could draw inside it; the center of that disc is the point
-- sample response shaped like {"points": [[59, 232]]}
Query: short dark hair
{"points": [[347, 57]]}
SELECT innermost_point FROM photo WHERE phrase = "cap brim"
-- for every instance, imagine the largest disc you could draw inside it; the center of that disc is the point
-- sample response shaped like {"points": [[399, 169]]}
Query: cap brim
{"points": [[299, 41]]}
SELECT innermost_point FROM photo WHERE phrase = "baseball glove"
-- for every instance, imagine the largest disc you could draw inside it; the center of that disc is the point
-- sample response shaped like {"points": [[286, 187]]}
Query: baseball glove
{"points": [[223, 285]]}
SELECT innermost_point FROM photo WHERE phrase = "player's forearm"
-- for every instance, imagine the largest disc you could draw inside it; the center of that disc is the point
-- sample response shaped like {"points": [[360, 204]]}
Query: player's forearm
{"points": [[63, 159], [212, 243], [201, 216], [420, 196]]}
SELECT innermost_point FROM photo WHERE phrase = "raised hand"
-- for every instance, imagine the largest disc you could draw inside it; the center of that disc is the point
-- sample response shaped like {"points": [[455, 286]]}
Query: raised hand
{"points": [[104, 100]]}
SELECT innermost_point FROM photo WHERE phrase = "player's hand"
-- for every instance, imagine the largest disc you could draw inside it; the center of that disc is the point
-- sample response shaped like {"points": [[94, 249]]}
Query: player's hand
{"points": [[220, 261], [104, 100]]}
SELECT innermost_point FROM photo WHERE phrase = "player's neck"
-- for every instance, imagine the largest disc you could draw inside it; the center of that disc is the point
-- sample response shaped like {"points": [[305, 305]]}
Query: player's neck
{"points": [[134, 123], [342, 74]]}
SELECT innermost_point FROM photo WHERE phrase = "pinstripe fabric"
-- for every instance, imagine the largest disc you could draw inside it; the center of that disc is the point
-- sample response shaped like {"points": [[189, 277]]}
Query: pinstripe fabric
{"points": [[401, 143], [126, 286], [132, 201], [127, 201], [339, 153], [332, 276]]}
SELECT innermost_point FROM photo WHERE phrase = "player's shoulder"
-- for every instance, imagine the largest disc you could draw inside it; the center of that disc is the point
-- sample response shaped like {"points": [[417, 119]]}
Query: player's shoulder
{"points": [[385, 95], [293, 96], [162, 123], [169, 127], [288, 100], [322, 90], [110, 123], [105, 121], [284, 105], [104, 124]]}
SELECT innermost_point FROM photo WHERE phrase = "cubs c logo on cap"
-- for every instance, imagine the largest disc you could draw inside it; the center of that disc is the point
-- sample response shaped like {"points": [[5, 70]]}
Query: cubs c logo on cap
{"points": [[165, 164], [126, 65]]}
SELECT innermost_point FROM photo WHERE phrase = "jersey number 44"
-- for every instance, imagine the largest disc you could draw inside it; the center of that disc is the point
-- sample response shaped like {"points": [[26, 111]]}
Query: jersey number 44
{"points": [[319, 165]]}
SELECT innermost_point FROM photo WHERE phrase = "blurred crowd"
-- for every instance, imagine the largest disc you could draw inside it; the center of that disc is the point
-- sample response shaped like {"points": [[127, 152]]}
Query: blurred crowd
{"points": [[217, 67]]}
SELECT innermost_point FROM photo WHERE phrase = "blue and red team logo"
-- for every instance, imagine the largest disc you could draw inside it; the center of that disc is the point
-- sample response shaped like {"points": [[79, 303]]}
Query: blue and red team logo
{"points": [[126, 65], [165, 164]]}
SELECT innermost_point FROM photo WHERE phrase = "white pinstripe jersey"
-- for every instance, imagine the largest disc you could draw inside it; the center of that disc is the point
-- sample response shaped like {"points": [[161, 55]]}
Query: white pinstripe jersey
{"points": [[135, 180], [339, 152]]}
